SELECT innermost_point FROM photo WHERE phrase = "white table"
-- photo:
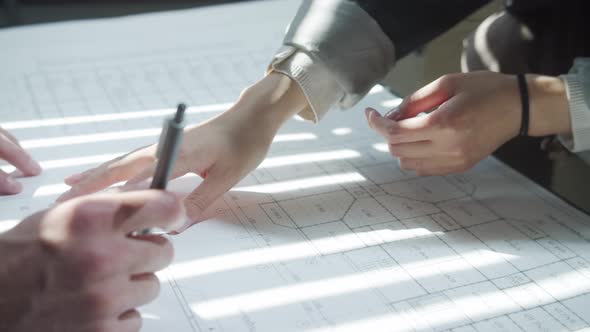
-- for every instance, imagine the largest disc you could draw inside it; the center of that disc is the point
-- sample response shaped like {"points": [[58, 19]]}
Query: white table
{"points": [[330, 234]]}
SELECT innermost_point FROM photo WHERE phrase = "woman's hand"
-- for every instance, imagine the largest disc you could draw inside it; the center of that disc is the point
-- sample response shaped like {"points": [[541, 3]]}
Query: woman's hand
{"points": [[468, 116], [222, 150], [13, 153]]}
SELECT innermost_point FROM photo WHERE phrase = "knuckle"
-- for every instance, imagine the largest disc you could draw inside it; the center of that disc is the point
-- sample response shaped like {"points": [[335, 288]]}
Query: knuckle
{"points": [[448, 82], [168, 252], [445, 121], [196, 201], [148, 290], [457, 122], [133, 321], [84, 209], [161, 255], [82, 217], [154, 284], [392, 132], [87, 216], [93, 262], [435, 120], [98, 303]]}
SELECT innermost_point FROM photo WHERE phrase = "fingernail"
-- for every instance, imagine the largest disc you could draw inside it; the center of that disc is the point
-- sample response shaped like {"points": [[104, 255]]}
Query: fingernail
{"points": [[181, 221], [64, 197], [73, 178], [393, 114], [34, 167], [178, 224], [13, 186], [372, 110], [170, 201]]}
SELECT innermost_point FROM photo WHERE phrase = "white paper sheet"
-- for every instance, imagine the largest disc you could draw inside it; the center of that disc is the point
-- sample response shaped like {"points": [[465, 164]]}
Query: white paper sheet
{"points": [[328, 234]]}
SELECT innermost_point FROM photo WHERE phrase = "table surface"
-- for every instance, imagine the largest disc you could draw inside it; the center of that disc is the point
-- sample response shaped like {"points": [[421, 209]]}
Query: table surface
{"points": [[563, 173], [328, 234]]}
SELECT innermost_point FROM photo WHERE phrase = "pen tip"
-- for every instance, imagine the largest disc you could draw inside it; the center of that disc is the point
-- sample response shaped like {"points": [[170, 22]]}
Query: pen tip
{"points": [[179, 117]]}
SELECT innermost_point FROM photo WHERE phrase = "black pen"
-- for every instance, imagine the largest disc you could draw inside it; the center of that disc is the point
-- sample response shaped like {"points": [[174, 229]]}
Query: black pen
{"points": [[168, 144]]}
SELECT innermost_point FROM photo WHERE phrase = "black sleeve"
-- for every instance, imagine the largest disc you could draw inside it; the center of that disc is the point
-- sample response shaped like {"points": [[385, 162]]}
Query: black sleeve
{"points": [[412, 23]]}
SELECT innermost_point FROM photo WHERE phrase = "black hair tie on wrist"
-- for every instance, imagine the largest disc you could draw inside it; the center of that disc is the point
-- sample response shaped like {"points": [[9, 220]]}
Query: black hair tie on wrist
{"points": [[524, 98]]}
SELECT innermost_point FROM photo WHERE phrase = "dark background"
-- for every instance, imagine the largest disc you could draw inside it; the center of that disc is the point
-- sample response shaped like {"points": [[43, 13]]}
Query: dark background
{"points": [[18, 12]]}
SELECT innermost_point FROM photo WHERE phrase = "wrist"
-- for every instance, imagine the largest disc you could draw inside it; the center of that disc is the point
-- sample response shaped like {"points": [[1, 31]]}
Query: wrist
{"points": [[549, 114], [271, 101]]}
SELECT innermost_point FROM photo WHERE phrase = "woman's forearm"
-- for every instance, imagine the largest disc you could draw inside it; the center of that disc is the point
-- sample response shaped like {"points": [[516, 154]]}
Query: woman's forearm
{"points": [[272, 100]]}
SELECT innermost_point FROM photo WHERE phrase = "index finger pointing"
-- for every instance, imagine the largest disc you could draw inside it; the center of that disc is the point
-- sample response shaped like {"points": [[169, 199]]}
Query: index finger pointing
{"points": [[17, 156]]}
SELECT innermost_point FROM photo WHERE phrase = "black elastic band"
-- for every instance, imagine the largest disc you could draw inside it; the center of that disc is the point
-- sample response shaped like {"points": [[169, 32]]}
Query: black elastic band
{"points": [[524, 98]]}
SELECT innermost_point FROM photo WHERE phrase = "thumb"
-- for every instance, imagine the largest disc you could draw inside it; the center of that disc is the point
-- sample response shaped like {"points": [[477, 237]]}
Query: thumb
{"points": [[425, 99], [213, 186]]}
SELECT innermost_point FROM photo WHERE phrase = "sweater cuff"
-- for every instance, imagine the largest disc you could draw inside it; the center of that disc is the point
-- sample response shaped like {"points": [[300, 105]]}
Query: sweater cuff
{"points": [[316, 82], [579, 140], [349, 44]]}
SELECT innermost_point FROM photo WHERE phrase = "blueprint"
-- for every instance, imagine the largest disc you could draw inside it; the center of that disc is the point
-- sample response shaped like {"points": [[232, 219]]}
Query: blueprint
{"points": [[328, 233]]}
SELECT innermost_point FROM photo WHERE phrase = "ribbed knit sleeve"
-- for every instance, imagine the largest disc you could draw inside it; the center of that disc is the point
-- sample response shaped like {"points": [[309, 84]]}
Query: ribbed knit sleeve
{"points": [[578, 94]]}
